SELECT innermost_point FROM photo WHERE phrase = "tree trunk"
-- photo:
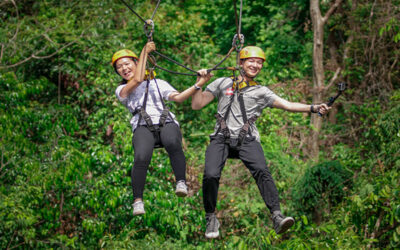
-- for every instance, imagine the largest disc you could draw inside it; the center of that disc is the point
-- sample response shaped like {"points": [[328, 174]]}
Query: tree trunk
{"points": [[318, 73], [318, 22]]}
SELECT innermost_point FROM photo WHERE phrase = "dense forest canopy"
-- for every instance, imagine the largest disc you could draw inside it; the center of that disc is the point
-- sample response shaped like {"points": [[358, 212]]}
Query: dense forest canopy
{"points": [[65, 140]]}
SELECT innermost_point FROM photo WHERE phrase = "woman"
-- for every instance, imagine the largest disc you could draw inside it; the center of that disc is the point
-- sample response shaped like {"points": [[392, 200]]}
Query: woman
{"points": [[152, 124]]}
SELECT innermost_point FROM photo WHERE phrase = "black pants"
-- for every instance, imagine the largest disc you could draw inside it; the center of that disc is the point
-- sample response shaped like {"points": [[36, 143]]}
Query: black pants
{"points": [[252, 155], [143, 143]]}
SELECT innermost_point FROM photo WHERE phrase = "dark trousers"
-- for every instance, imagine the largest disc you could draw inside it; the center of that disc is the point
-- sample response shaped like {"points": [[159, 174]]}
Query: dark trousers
{"points": [[252, 155], [143, 143]]}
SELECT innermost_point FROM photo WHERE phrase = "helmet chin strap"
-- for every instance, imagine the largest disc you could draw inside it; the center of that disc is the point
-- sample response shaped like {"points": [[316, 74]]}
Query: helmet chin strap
{"points": [[244, 75]]}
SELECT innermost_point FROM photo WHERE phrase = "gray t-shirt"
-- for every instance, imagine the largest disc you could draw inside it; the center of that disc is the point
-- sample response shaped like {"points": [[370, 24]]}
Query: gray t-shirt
{"points": [[255, 99], [153, 107]]}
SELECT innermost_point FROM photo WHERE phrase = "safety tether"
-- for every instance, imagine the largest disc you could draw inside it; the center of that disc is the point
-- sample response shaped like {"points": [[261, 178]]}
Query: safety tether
{"points": [[237, 41]]}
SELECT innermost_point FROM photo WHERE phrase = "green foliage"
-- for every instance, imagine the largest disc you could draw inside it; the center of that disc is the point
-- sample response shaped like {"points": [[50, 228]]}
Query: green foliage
{"points": [[63, 177], [383, 137], [321, 187]]}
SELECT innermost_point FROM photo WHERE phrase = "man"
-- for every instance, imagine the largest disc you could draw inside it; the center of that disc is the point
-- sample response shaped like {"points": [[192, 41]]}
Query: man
{"points": [[240, 102]]}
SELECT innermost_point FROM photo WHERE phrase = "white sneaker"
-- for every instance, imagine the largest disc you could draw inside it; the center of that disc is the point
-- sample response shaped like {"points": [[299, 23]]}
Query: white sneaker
{"points": [[181, 189], [138, 208]]}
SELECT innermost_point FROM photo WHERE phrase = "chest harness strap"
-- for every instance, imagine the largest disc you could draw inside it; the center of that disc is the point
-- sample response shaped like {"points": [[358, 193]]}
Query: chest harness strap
{"points": [[141, 110], [246, 122]]}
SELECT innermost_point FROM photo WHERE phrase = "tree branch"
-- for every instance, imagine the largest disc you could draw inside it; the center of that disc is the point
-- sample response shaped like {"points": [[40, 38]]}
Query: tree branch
{"points": [[331, 10], [19, 23], [21, 62], [376, 228], [34, 56], [334, 78], [1, 52], [54, 53]]}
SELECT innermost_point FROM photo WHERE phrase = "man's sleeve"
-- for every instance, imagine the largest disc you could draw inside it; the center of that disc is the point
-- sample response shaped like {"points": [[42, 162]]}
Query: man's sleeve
{"points": [[268, 97], [214, 87]]}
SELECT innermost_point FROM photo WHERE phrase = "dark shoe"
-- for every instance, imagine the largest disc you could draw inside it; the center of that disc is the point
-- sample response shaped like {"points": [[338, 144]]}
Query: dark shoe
{"points": [[281, 223], [212, 226]]}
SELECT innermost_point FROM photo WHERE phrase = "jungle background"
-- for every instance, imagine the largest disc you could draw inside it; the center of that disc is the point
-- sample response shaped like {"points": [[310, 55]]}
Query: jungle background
{"points": [[65, 140]]}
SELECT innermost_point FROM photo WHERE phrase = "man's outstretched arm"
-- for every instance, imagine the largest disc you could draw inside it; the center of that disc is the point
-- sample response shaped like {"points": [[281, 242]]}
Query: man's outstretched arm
{"points": [[300, 107]]}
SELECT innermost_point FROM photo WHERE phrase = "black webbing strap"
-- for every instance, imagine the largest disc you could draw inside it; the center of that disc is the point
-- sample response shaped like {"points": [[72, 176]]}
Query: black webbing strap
{"points": [[165, 113], [145, 116], [246, 122], [242, 108], [222, 126], [143, 113], [222, 120], [143, 107], [245, 129]]}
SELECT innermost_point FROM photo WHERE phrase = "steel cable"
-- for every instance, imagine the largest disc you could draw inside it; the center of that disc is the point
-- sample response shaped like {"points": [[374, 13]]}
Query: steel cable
{"points": [[154, 12], [238, 22], [134, 12]]}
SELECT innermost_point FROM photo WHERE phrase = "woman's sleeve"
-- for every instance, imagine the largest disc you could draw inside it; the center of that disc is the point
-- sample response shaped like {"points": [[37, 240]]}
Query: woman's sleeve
{"points": [[123, 100], [165, 89]]}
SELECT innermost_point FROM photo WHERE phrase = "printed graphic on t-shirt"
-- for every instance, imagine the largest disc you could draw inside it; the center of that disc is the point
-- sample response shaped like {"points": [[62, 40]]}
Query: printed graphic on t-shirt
{"points": [[229, 91]]}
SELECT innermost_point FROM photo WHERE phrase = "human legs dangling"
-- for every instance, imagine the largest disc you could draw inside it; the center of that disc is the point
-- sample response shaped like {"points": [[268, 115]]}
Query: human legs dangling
{"points": [[143, 144], [252, 155], [171, 138]]}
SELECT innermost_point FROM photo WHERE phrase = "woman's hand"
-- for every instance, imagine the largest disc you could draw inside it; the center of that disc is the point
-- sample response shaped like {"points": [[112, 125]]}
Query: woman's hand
{"points": [[150, 47], [203, 76]]}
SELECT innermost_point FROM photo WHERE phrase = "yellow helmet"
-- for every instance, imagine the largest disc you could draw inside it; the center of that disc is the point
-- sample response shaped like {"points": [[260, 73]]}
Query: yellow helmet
{"points": [[252, 51], [123, 53]]}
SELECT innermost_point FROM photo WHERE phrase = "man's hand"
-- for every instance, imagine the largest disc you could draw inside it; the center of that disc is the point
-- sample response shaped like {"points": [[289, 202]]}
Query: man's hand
{"points": [[322, 108]]}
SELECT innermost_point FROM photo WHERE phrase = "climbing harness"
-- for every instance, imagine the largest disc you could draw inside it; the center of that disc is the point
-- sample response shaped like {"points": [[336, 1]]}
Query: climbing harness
{"points": [[247, 122], [141, 110]]}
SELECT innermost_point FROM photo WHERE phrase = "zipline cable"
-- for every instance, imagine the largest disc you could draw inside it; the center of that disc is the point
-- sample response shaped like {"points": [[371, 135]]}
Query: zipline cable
{"points": [[134, 12], [154, 12], [238, 22], [238, 38]]}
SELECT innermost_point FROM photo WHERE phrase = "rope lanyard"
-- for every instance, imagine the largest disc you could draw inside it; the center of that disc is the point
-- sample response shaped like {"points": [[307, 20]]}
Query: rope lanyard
{"points": [[237, 42]]}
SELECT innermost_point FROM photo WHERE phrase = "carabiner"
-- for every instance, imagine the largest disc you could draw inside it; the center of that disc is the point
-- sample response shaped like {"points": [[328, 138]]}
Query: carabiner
{"points": [[236, 42], [149, 29]]}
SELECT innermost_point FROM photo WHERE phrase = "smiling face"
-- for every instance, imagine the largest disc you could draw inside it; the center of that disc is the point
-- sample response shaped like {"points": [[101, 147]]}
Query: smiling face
{"points": [[126, 67], [252, 66]]}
